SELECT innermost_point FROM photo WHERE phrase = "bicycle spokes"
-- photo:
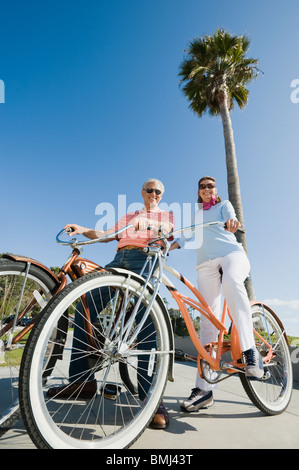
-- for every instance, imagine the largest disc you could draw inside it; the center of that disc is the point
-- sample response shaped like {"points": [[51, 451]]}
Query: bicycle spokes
{"points": [[123, 367]]}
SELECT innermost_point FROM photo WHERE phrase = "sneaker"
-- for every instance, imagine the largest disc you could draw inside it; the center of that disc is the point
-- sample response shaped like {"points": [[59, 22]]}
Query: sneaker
{"points": [[254, 368], [197, 400]]}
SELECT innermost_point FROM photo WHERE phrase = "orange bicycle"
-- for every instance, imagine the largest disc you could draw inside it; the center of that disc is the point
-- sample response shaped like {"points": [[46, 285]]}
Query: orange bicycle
{"points": [[112, 337]]}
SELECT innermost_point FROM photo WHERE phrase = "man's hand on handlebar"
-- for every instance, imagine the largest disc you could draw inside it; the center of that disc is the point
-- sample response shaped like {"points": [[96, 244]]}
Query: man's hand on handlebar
{"points": [[142, 224], [74, 229]]}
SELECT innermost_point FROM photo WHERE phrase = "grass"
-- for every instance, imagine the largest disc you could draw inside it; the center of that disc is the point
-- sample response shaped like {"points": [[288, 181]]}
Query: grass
{"points": [[293, 340], [14, 356]]}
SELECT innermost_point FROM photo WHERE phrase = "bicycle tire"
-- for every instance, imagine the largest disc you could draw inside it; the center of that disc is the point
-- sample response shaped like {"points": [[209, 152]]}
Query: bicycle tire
{"points": [[97, 421], [271, 395], [12, 274]]}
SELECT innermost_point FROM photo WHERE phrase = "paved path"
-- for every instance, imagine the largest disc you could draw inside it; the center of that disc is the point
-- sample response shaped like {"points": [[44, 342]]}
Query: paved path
{"points": [[232, 423]]}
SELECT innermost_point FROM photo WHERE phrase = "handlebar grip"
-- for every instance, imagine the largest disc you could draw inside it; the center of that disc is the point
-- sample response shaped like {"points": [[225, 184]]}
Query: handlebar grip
{"points": [[239, 229], [69, 230]]}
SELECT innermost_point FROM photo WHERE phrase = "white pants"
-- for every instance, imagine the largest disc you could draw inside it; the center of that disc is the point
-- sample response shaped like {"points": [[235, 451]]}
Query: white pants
{"points": [[235, 267]]}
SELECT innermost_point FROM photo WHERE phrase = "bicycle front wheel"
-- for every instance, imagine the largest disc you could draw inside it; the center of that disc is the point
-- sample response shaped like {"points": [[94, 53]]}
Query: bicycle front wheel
{"points": [[19, 290], [57, 411], [272, 394]]}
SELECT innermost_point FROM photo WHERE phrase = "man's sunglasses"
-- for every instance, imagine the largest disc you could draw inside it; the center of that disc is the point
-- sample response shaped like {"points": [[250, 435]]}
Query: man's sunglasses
{"points": [[151, 190], [208, 186]]}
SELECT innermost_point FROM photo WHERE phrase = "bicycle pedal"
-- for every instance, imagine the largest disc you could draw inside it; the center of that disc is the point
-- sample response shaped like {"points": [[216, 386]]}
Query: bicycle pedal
{"points": [[111, 391], [265, 377]]}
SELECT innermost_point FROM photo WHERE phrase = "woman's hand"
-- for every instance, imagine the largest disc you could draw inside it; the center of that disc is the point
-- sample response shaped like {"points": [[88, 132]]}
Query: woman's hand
{"points": [[232, 225]]}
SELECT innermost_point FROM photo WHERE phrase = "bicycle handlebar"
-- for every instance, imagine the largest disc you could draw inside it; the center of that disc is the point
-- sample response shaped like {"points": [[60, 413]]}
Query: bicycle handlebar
{"points": [[89, 242], [74, 242], [192, 227]]}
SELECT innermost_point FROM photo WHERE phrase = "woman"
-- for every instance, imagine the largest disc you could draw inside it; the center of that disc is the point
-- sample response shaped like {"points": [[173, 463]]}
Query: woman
{"points": [[221, 260]]}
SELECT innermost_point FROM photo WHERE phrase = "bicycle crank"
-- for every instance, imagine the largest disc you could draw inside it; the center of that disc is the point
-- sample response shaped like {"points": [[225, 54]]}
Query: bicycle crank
{"points": [[225, 365]]}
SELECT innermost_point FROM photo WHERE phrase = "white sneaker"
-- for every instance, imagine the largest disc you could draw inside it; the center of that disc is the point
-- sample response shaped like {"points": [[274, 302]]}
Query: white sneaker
{"points": [[254, 368], [197, 400]]}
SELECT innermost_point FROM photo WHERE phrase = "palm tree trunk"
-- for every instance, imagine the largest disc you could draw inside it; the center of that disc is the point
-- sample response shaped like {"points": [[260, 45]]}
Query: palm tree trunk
{"points": [[233, 183]]}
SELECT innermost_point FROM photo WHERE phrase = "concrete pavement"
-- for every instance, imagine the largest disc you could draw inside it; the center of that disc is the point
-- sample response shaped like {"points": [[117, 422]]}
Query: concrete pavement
{"points": [[232, 423]]}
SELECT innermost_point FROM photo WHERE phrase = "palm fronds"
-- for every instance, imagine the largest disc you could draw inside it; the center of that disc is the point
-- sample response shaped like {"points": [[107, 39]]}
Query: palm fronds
{"points": [[215, 65]]}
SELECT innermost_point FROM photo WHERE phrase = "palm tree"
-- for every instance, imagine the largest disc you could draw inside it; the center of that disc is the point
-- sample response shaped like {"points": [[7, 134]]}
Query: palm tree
{"points": [[213, 78]]}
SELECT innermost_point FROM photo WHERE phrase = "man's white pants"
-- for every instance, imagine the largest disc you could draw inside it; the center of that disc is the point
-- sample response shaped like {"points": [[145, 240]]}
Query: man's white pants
{"points": [[235, 267]]}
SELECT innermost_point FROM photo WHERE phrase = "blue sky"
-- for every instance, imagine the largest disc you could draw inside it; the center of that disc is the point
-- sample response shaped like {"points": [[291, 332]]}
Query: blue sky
{"points": [[93, 108]]}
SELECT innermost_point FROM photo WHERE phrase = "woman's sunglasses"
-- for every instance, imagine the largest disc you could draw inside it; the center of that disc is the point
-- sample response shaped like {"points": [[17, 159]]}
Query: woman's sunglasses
{"points": [[151, 190], [208, 186]]}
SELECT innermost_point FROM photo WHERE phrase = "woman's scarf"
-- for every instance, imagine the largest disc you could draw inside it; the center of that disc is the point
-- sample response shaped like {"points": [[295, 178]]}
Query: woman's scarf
{"points": [[208, 205]]}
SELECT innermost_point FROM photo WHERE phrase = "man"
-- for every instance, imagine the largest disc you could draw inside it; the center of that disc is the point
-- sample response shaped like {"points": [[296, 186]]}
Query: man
{"points": [[129, 256]]}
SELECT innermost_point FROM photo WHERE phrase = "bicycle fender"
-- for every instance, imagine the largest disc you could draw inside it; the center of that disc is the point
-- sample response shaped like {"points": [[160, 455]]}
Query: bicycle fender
{"points": [[159, 299], [26, 259]]}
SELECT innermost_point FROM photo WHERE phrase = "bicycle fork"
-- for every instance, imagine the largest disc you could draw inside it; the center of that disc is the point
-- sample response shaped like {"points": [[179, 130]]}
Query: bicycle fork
{"points": [[127, 328]]}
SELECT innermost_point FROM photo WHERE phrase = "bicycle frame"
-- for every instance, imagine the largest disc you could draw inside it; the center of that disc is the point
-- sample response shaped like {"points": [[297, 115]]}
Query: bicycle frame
{"points": [[201, 306], [223, 346]]}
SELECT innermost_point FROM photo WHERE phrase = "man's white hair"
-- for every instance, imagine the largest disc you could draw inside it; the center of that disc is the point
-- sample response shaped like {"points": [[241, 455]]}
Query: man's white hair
{"points": [[153, 180]]}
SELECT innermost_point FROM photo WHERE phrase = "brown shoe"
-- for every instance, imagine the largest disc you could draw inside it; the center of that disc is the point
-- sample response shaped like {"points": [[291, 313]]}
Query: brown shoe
{"points": [[161, 418], [74, 390]]}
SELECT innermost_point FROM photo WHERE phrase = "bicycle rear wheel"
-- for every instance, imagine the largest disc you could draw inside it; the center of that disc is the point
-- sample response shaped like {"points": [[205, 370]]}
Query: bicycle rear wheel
{"points": [[17, 290], [108, 419], [272, 394]]}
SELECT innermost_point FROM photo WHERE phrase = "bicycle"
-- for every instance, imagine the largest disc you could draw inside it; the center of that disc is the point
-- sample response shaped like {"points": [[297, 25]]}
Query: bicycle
{"points": [[26, 286], [102, 422]]}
